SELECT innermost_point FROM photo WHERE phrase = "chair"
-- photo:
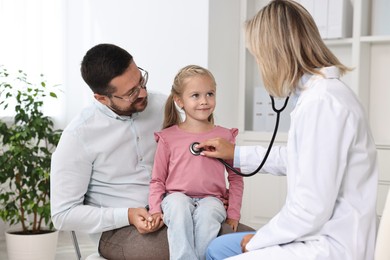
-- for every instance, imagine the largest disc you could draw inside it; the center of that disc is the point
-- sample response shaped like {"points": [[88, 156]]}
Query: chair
{"points": [[225, 229], [94, 256], [382, 248]]}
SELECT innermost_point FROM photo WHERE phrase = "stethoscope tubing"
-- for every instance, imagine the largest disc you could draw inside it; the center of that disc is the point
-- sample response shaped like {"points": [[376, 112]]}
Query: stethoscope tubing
{"points": [[277, 111]]}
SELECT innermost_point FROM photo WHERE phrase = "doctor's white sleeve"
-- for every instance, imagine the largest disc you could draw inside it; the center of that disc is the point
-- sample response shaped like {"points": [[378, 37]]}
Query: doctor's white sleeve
{"points": [[250, 158]]}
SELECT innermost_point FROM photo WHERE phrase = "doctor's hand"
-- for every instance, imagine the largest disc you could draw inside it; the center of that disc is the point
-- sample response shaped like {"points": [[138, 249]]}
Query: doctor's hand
{"points": [[217, 148], [245, 241]]}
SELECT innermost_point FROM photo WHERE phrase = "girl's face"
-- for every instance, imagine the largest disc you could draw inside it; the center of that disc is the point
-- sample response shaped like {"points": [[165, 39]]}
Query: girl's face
{"points": [[198, 98]]}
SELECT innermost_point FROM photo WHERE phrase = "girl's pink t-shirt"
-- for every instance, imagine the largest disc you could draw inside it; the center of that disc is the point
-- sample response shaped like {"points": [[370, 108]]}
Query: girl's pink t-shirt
{"points": [[176, 169]]}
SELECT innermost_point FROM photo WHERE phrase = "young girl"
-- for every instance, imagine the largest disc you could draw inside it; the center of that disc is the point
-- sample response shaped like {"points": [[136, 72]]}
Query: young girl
{"points": [[188, 190]]}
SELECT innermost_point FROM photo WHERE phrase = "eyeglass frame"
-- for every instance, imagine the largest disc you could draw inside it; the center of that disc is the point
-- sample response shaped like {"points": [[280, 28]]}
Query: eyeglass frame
{"points": [[132, 97]]}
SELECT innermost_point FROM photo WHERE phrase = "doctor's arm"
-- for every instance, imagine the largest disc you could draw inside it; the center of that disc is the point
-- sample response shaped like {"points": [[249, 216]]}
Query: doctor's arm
{"points": [[248, 158]]}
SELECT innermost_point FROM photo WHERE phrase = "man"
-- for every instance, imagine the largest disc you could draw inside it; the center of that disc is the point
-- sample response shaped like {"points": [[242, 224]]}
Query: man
{"points": [[101, 169]]}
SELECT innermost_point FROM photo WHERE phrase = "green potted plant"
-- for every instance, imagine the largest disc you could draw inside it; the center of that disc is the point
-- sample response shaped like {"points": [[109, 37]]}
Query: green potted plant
{"points": [[27, 141]]}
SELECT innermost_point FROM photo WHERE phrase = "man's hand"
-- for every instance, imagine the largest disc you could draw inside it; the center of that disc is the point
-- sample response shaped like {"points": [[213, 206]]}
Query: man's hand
{"points": [[143, 221], [245, 240]]}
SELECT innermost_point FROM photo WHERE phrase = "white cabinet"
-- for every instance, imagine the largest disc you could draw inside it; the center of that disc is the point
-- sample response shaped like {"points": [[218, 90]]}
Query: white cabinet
{"points": [[368, 55]]}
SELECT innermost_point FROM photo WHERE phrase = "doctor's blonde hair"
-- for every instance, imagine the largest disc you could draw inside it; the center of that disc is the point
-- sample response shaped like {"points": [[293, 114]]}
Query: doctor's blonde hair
{"points": [[171, 114], [286, 43]]}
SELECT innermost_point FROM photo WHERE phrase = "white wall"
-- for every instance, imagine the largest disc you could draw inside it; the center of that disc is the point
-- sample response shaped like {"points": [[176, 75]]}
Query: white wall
{"points": [[31, 39], [163, 36], [223, 57], [51, 37]]}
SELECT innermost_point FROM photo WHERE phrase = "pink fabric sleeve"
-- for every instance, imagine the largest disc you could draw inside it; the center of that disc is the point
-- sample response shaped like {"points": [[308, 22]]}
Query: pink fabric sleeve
{"points": [[236, 187], [159, 175], [234, 132]]}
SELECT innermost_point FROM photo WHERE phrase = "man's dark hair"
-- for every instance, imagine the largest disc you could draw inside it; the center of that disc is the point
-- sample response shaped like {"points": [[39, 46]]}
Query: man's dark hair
{"points": [[101, 64]]}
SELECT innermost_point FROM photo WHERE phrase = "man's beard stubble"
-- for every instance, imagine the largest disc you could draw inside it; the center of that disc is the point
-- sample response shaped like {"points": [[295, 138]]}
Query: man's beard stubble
{"points": [[138, 106]]}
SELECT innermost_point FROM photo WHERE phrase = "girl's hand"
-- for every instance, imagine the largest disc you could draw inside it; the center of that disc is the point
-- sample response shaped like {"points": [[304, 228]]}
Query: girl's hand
{"points": [[157, 219], [232, 223]]}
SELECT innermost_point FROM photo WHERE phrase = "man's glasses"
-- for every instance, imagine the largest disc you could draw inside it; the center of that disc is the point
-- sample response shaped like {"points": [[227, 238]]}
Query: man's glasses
{"points": [[134, 93]]}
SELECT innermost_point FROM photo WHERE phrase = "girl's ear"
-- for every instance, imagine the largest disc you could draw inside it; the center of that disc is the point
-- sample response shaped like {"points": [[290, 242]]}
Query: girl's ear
{"points": [[102, 99], [178, 101]]}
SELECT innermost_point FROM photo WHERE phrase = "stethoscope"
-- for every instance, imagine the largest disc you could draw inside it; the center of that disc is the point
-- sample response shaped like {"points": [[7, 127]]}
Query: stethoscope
{"points": [[196, 151]]}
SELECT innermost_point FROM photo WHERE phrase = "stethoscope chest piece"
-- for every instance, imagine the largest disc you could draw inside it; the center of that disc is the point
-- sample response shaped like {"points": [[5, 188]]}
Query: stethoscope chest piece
{"points": [[194, 150]]}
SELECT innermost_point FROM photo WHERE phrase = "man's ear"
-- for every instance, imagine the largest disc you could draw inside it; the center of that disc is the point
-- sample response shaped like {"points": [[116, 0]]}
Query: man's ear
{"points": [[102, 99]]}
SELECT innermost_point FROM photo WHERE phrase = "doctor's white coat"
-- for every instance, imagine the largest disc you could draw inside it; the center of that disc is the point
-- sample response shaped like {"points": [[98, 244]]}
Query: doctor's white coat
{"points": [[330, 164]]}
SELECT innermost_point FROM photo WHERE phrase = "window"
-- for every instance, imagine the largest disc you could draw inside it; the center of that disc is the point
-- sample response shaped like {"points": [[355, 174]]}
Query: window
{"points": [[32, 41]]}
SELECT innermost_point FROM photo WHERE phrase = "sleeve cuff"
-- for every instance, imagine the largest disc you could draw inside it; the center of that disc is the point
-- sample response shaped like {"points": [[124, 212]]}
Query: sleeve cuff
{"points": [[121, 217], [236, 162]]}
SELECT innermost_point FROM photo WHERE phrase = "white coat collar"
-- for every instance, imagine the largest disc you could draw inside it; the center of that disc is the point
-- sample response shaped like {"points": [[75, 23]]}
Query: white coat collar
{"points": [[330, 72], [307, 80], [326, 73]]}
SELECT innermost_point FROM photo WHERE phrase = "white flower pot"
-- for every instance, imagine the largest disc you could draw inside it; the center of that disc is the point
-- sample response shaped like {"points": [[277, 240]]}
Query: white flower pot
{"points": [[31, 247]]}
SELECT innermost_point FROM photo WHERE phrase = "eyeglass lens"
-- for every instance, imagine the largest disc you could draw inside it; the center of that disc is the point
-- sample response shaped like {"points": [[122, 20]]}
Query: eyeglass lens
{"points": [[136, 90]]}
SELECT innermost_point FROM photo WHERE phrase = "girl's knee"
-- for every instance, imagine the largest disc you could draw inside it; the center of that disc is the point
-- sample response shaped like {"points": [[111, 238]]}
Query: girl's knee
{"points": [[176, 198], [177, 203], [211, 208]]}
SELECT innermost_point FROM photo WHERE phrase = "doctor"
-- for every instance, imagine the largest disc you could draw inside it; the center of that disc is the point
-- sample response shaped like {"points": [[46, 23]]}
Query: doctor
{"points": [[330, 157]]}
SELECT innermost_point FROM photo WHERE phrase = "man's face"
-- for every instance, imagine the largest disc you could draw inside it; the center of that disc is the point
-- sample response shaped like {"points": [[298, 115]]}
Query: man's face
{"points": [[130, 94]]}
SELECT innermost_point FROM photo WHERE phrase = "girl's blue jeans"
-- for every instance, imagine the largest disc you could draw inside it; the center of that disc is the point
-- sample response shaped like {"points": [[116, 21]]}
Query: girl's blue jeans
{"points": [[192, 224]]}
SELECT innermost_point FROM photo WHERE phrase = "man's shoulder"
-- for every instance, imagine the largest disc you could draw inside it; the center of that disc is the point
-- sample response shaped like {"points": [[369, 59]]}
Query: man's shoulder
{"points": [[84, 117]]}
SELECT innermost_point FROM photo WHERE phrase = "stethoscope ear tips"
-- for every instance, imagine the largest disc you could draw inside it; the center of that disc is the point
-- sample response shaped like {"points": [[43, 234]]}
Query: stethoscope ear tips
{"points": [[194, 150]]}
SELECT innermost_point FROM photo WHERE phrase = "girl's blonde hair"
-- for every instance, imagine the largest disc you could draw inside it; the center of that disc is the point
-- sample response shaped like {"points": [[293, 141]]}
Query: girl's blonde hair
{"points": [[171, 114], [286, 43]]}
